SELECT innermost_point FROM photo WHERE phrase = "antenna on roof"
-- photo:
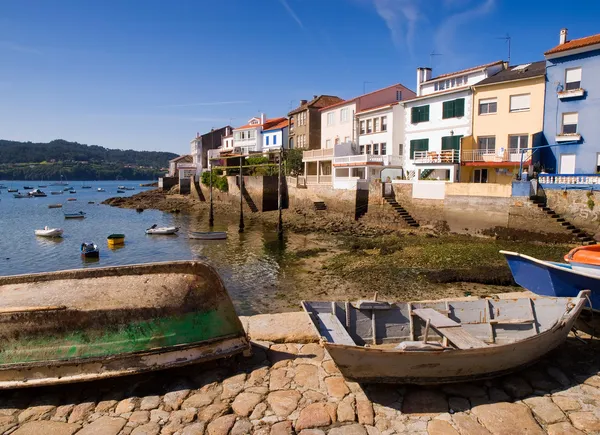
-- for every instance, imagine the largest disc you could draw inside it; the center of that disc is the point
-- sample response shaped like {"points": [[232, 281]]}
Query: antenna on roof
{"points": [[365, 86], [507, 39], [431, 56]]}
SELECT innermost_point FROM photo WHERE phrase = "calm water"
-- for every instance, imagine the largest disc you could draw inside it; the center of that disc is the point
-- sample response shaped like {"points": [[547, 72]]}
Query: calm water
{"points": [[249, 263]]}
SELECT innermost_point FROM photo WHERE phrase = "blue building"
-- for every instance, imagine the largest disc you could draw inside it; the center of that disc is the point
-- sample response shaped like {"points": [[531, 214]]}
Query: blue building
{"points": [[572, 106]]}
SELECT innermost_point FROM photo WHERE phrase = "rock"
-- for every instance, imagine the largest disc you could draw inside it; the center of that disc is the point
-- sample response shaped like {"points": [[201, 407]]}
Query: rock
{"points": [[221, 425], [47, 428], [314, 415], [212, 411], [385, 395], [139, 417], [545, 410], [458, 404], [353, 429], [566, 403], [105, 405], [104, 426], [178, 420], [244, 403], [7, 422], [372, 430], [280, 379], [151, 428], [281, 354], [311, 432], [307, 376], [259, 411], [540, 381], [125, 405], [281, 328], [563, 428], [311, 396], [585, 421], [194, 429], [336, 387], [331, 409], [517, 387], [311, 354], [149, 403], [198, 400], [498, 395], [331, 368], [283, 402], [424, 402], [81, 411], [159, 416], [282, 428], [464, 390], [468, 425], [233, 385], [558, 376], [35, 413], [364, 410], [346, 410], [242, 427], [440, 427], [62, 412], [507, 419], [594, 381], [257, 377], [174, 399]]}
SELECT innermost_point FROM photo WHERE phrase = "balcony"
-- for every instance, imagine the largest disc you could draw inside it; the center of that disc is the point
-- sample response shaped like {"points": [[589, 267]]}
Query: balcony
{"points": [[368, 159], [568, 137], [571, 93], [437, 157], [569, 179], [320, 154], [318, 179], [509, 155]]}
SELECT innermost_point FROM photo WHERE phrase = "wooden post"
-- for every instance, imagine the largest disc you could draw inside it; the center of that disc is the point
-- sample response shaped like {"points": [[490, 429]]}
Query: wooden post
{"points": [[211, 218], [279, 201], [241, 230]]}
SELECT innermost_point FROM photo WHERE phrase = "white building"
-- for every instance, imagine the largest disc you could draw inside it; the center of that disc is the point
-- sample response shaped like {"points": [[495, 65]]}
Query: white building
{"points": [[275, 135], [438, 119], [250, 138]]}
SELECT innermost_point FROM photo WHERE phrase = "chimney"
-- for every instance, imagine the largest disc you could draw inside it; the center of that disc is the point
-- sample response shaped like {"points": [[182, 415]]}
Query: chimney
{"points": [[423, 74], [263, 118], [303, 102], [315, 97], [563, 35]]}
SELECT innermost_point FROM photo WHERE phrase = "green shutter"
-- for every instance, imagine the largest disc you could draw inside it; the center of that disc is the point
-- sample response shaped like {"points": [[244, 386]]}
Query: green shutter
{"points": [[459, 107], [425, 142], [413, 145], [425, 113], [448, 110], [414, 115], [446, 140]]}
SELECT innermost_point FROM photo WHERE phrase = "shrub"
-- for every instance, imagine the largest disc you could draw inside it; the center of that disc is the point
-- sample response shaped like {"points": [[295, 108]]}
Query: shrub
{"points": [[218, 181]]}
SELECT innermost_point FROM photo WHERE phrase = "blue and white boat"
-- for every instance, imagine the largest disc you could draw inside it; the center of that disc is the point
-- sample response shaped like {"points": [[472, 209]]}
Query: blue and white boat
{"points": [[549, 278]]}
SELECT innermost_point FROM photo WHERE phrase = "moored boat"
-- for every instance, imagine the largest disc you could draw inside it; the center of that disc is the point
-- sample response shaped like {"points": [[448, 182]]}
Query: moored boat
{"points": [[210, 235], [56, 192], [78, 215], [28, 187], [21, 195], [90, 250], [585, 259], [100, 189], [156, 230], [85, 186], [72, 191], [10, 190], [437, 342], [49, 232], [115, 240], [54, 205], [120, 191], [549, 278], [37, 193], [151, 317]]}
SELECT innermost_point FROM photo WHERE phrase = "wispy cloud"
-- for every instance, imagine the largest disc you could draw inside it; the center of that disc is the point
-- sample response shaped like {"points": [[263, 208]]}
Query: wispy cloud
{"points": [[291, 12], [209, 103], [401, 18], [13, 46]]}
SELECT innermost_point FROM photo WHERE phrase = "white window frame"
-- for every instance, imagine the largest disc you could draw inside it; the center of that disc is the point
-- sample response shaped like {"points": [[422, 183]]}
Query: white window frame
{"points": [[519, 142], [376, 125], [369, 126], [384, 118], [383, 148], [570, 114], [331, 118], [521, 107], [573, 71], [363, 127], [487, 102], [328, 143], [344, 115]]}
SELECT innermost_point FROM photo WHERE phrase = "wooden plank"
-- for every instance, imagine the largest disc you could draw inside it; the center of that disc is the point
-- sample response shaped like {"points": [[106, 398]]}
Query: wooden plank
{"points": [[11, 310], [411, 322], [461, 338], [333, 330], [511, 321], [437, 320], [373, 305], [537, 330]]}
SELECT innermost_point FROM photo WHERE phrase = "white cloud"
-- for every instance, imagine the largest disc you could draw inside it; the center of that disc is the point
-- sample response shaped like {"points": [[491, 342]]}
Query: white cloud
{"points": [[290, 11], [401, 18]]}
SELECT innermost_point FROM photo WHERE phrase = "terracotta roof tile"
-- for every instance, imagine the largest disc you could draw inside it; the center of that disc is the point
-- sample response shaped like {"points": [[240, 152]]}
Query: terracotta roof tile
{"points": [[575, 43], [475, 68], [278, 126], [341, 103], [317, 103], [186, 158], [269, 123]]}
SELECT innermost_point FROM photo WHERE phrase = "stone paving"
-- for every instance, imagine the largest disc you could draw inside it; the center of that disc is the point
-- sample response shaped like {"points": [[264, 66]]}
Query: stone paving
{"points": [[289, 388]]}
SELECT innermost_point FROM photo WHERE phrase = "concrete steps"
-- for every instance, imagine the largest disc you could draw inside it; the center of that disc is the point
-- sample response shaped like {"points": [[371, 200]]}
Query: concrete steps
{"points": [[583, 237], [404, 214]]}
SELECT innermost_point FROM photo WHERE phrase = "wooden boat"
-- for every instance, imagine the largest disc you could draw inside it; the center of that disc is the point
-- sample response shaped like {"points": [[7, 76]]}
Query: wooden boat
{"points": [[28, 187], [156, 230], [56, 329], [37, 193], [549, 278], [49, 232], [441, 341], [66, 189], [54, 205], [90, 250], [78, 215], [21, 195], [56, 192], [84, 186], [211, 235], [12, 190], [115, 240], [71, 199], [585, 259], [72, 191], [100, 190], [120, 191]]}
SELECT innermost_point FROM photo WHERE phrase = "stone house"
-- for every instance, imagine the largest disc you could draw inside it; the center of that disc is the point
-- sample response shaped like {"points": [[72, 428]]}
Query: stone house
{"points": [[305, 122]]}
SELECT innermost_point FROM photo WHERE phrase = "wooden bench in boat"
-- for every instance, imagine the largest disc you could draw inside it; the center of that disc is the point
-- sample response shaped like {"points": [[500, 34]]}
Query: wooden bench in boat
{"points": [[450, 329], [333, 329]]}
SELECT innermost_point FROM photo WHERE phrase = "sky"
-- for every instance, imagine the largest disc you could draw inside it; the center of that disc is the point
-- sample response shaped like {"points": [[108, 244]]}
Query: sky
{"points": [[150, 74]]}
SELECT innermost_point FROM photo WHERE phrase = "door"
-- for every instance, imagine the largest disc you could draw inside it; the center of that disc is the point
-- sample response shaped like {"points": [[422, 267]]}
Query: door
{"points": [[567, 163], [480, 176]]}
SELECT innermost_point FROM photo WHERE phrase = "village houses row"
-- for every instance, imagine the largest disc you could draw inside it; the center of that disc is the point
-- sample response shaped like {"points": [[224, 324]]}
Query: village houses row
{"points": [[481, 125]]}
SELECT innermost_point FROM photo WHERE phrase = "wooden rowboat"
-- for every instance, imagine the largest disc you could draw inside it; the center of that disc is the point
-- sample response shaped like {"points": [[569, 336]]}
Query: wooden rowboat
{"points": [[212, 235], [115, 240], [86, 324], [441, 341]]}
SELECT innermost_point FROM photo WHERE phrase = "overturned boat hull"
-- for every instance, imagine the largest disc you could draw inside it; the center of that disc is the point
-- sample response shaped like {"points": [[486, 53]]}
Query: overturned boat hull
{"points": [[82, 325]]}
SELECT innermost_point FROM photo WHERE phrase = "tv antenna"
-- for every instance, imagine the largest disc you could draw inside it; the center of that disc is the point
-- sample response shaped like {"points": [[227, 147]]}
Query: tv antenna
{"points": [[431, 56], [365, 86], [507, 38]]}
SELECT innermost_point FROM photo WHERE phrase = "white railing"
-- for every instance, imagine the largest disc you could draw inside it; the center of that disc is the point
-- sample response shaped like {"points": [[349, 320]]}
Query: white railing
{"points": [[314, 179], [569, 179], [369, 158], [501, 155], [444, 156], [317, 154]]}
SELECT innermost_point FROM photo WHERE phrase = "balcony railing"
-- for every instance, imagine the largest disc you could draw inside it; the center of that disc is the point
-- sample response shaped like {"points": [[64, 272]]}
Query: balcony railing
{"points": [[317, 154], [502, 155], [318, 179], [369, 158], [569, 179], [441, 157]]}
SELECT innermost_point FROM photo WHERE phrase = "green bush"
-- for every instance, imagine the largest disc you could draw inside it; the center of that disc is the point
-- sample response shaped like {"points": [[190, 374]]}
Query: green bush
{"points": [[218, 181]]}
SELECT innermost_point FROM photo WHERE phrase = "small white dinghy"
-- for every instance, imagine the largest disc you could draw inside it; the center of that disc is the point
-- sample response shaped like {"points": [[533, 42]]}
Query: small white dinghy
{"points": [[156, 230], [212, 235], [49, 232]]}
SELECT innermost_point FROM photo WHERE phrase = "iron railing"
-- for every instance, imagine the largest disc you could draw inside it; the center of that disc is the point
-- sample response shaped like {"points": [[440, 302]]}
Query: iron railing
{"points": [[442, 157]]}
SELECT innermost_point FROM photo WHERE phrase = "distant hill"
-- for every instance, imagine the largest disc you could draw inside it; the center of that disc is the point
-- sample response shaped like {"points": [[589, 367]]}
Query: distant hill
{"points": [[65, 151]]}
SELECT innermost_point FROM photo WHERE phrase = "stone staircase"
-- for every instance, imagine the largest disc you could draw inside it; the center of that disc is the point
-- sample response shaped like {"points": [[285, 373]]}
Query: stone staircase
{"points": [[319, 206], [582, 236], [402, 212]]}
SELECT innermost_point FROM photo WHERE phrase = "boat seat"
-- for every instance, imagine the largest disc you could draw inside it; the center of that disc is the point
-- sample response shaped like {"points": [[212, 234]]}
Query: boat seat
{"points": [[332, 329], [450, 329]]}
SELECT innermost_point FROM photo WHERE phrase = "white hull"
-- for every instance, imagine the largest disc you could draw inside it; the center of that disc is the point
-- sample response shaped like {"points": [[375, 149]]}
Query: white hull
{"points": [[51, 232], [585, 268], [165, 231]]}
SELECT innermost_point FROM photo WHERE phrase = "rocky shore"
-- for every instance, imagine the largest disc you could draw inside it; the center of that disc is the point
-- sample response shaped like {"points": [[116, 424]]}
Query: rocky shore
{"points": [[295, 388]]}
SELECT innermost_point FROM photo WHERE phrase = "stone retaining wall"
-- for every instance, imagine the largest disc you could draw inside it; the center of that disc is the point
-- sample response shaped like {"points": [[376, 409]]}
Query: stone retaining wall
{"points": [[580, 207]]}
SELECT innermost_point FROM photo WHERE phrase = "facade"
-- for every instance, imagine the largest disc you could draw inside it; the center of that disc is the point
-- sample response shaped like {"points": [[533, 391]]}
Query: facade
{"points": [[438, 120], [305, 122], [202, 144], [339, 131], [179, 163], [275, 136], [249, 138], [572, 106], [508, 118]]}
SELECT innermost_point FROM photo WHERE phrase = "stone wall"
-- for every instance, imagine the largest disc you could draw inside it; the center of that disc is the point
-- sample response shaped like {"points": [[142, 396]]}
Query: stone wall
{"points": [[166, 183], [260, 192], [578, 206]]}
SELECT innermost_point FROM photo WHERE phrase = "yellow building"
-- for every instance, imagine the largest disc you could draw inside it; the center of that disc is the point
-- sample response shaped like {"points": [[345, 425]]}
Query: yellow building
{"points": [[508, 118]]}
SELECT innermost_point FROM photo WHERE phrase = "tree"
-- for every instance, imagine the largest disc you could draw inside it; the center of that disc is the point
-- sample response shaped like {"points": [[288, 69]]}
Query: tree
{"points": [[293, 162]]}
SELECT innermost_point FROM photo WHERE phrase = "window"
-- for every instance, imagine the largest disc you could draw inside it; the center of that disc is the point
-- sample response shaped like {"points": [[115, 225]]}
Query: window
{"points": [[344, 115], [337, 141], [383, 148], [330, 118], [328, 143], [291, 142], [368, 148], [267, 140], [237, 135], [418, 145], [369, 126], [274, 140], [519, 103], [597, 162], [573, 79], [570, 123], [480, 176], [518, 142], [453, 108], [376, 125], [376, 149], [384, 123], [488, 106], [419, 114], [362, 127], [487, 144], [398, 95], [347, 139], [451, 143], [361, 149]]}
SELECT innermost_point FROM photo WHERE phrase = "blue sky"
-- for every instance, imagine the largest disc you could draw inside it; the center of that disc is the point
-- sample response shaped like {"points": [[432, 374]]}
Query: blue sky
{"points": [[150, 74]]}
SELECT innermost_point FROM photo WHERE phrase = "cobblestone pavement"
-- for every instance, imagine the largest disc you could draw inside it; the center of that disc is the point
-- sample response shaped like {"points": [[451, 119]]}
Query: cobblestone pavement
{"points": [[296, 388]]}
